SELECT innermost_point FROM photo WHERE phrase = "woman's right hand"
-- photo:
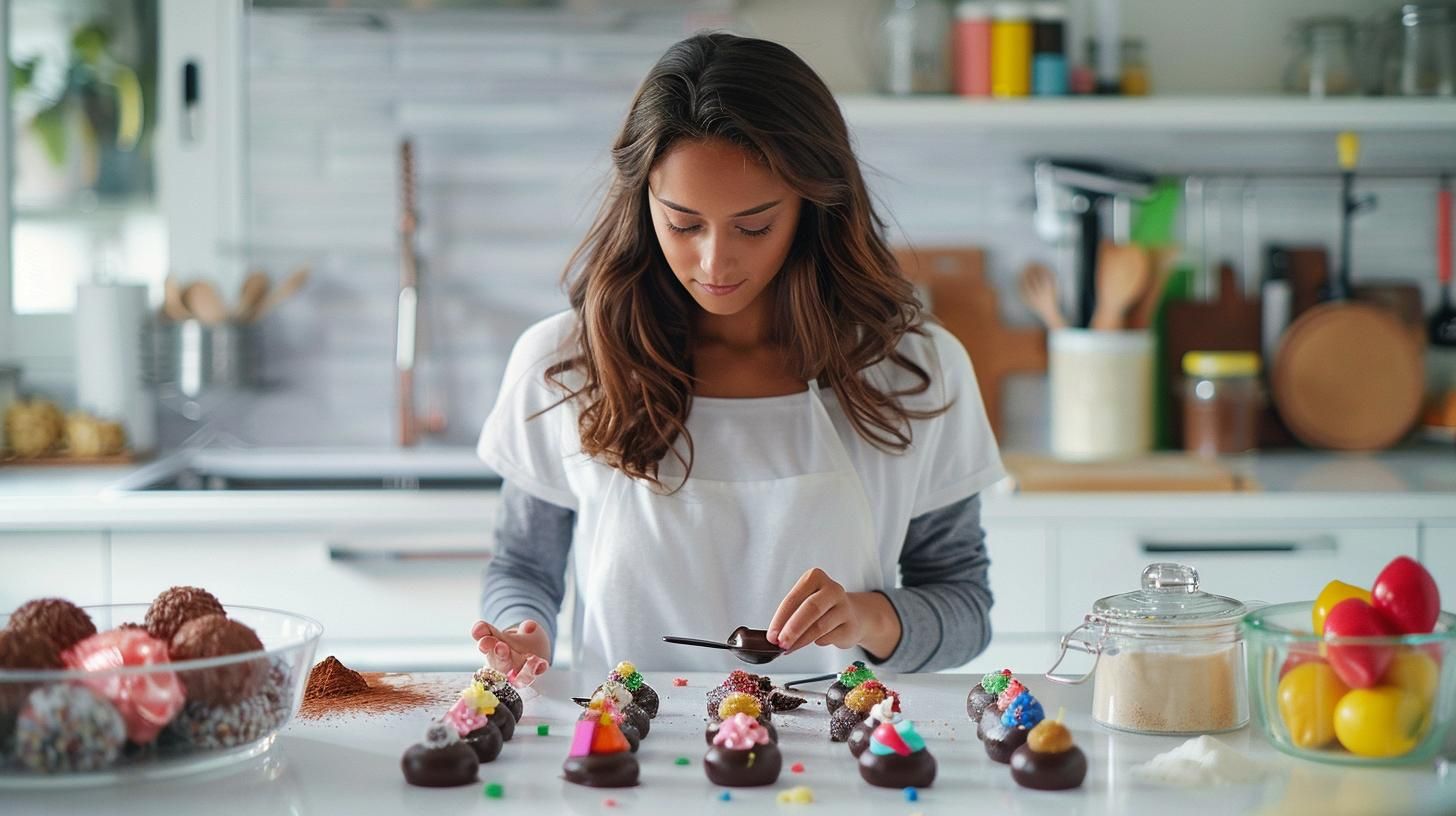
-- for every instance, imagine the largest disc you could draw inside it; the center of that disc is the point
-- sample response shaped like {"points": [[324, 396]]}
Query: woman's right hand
{"points": [[516, 651]]}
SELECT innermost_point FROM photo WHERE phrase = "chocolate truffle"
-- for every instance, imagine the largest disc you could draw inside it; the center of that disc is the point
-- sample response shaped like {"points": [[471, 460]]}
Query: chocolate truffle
{"points": [[634, 737], [498, 685], [600, 756], [226, 726], [66, 728], [853, 674], [22, 650], [1049, 761], [857, 704], [743, 755], [481, 720], [485, 741], [780, 700], [897, 758], [175, 607], [622, 702], [441, 761], [886, 711], [642, 694], [1006, 732], [217, 636], [983, 694], [738, 682], [62, 621]]}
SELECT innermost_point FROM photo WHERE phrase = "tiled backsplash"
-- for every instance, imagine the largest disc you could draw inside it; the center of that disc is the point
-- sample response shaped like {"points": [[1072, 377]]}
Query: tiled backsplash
{"points": [[511, 116]]}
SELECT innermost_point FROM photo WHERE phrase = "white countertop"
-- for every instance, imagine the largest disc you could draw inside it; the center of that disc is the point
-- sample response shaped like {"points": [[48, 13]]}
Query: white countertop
{"points": [[350, 765], [1402, 485]]}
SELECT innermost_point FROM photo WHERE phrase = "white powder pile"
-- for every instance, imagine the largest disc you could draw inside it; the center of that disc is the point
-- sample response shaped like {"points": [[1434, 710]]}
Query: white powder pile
{"points": [[1202, 762]]}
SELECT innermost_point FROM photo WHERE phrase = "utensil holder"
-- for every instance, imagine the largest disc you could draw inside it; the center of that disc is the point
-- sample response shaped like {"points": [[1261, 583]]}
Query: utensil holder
{"points": [[1101, 394], [193, 358]]}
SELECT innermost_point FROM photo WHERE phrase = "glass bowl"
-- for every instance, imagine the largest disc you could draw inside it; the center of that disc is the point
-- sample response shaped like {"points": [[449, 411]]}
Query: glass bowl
{"points": [[71, 708], [1306, 711]]}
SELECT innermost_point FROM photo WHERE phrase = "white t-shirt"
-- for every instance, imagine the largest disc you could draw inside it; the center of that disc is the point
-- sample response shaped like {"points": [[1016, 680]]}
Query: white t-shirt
{"points": [[951, 456]]}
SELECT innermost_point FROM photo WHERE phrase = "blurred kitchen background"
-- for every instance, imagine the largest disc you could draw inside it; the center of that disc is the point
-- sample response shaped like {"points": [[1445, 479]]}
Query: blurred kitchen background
{"points": [[283, 248]]}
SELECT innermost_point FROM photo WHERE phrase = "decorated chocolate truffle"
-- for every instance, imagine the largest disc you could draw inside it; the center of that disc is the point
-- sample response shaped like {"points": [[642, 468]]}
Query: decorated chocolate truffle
{"points": [[853, 674], [217, 636], [498, 685], [175, 607], [1049, 760], [599, 755], [743, 755], [441, 761], [212, 727], [897, 758], [62, 621], [147, 702], [983, 694], [738, 682], [594, 710], [473, 716], [747, 705], [885, 711], [622, 699], [642, 694], [1008, 730], [857, 704], [68, 728]]}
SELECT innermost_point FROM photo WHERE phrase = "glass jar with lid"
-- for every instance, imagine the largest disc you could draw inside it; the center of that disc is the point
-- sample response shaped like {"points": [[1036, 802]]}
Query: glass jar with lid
{"points": [[1324, 57], [1167, 658], [1220, 402], [1420, 57]]}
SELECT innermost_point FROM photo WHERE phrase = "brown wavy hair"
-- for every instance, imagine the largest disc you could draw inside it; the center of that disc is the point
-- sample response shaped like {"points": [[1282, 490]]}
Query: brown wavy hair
{"points": [[840, 302]]}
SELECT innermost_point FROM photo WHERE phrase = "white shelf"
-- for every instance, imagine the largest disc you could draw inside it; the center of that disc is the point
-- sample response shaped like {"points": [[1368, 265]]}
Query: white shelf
{"points": [[1172, 113]]}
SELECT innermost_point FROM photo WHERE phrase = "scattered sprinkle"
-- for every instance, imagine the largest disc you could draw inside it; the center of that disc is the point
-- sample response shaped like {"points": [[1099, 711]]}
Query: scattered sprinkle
{"points": [[801, 795], [495, 790], [797, 767], [725, 796], [543, 730], [609, 803], [682, 761], [680, 682], [912, 795]]}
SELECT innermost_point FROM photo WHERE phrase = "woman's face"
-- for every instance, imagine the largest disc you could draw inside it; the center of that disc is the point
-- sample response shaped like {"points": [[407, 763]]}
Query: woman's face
{"points": [[725, 222]]}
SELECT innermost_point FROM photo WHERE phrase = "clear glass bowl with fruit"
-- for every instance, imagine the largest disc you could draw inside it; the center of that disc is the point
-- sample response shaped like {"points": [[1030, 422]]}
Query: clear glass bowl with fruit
{"points": [[102, 694], [1356, 677]]}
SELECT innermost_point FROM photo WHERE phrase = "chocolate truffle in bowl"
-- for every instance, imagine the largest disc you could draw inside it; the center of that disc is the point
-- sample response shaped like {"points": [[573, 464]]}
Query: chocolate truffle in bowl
{"points": [[217, 636], [60, 620], [897, 757], [212, 727], [441, 761], [66, 728], [742, 754], [175, 607]]}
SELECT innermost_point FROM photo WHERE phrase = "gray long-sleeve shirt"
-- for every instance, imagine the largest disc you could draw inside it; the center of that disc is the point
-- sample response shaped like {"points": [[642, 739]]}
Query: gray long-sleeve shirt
{"points": [[944, 601]]}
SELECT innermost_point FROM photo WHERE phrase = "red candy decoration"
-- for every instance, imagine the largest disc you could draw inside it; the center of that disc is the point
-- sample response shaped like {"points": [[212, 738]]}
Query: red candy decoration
{"points": [[1406, 595], [1358, 666], [147, 702], [679, 681], [797, 767]]}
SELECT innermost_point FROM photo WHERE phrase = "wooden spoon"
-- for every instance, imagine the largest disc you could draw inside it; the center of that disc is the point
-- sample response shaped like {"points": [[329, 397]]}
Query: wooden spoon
{"points": [[203, 301], [283, 291], [250, 296], [1122, 274], [1038, 289], [172, 306]]}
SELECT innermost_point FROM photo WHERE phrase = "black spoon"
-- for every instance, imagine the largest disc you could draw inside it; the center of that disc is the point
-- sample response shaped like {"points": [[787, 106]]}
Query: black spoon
{"points": [[748, 645]]}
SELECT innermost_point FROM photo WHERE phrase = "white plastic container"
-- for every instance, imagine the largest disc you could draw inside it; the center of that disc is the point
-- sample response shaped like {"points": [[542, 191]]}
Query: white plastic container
{"points": [[1101, 394]]}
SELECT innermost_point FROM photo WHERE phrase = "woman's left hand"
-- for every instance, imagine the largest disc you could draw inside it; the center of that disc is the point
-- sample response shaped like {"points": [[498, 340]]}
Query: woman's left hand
{"points": [[818, 610]]}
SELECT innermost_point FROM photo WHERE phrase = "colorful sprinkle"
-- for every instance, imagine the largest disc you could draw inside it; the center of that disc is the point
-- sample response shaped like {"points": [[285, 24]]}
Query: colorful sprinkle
{"points": [[680, 682], [609, 803], [797, 767], [543, 730], [801, 795], [682, 761], [495, 790], [912, 795], [996, 682], [725, 796]]}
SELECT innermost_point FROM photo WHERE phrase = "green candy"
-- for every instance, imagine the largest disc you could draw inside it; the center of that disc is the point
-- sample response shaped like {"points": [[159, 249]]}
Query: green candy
{"points": [[995, 682], [854, 675], [495, 791]]}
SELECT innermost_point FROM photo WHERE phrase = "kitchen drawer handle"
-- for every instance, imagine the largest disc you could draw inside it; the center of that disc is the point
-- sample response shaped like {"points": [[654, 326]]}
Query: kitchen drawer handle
{"points": [[1315, 544], [356, 555]]}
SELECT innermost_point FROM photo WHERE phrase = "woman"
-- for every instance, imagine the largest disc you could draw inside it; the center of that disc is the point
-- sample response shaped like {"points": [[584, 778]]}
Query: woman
{"points": [[743, 418]]}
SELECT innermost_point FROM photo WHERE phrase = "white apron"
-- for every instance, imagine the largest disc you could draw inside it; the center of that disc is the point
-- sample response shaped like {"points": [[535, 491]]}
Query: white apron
{"points": [[715, 555]]}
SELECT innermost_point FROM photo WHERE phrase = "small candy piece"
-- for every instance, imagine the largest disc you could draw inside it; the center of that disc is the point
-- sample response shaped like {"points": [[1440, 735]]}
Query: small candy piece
{"points": [[1049, 737], [996, 682], [543, 730], [725, 796], [854, 674], [680, 682], [739, 703], [1012, 691], [912, 795], [682, 761], [801, 795], [1024, 712], [797, 767], [495, 790]]}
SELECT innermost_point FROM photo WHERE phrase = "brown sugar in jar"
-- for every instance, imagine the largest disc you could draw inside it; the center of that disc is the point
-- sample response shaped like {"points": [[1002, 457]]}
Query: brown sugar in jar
{"points": [[1220, 402]]}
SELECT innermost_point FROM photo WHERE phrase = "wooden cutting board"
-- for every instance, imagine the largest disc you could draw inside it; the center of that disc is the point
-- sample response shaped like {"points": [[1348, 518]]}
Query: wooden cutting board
{"points": [[954, 278], [1230, 323], [1159, 473]]}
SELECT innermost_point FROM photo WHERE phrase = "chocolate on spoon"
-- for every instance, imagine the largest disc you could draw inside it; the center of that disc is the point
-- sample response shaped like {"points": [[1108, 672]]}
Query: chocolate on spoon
{"points": [[748, 645]]}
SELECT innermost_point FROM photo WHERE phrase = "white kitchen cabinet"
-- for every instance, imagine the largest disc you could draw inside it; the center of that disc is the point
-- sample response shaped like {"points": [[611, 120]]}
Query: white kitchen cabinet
{"points": [[403, 599], [1249, 562], [52, 565], [1438, 554]]}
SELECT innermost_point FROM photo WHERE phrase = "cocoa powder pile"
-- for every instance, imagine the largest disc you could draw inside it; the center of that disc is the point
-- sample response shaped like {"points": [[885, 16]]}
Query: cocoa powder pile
{"points": [[334, 688]]}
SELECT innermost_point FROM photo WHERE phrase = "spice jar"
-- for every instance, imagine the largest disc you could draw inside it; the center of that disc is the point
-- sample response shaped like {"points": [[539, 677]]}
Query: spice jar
{"points": [[1167, 658], [1324, 60], [1220, 402]]}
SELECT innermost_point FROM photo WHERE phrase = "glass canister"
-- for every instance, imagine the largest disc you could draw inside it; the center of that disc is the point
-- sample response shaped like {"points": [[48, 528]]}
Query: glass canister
{"points": [[1167, 658], [914, 45], [1421, 60], [1324, 57], [1220, 402]]}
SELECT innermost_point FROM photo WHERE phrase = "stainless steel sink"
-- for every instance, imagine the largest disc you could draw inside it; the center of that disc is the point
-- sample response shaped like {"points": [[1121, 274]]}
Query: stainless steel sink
{"points": [[292, 469]]}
